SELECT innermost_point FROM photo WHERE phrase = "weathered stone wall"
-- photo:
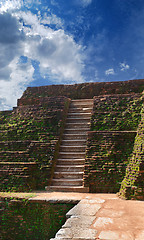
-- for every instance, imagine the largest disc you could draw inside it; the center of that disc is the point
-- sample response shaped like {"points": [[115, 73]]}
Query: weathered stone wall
{"points": [[81, 91], [31, 134], [132, 186], [107, 156], [114, 123], [118, 112]]}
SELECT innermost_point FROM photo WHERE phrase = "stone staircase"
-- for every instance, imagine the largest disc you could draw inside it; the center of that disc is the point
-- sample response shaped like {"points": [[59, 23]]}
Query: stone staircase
{"points": [[68, 175]]}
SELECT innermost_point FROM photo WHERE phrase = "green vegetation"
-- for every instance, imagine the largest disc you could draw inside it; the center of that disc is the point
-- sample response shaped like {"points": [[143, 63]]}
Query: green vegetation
{"points": [[133, 184], [110, 143], [116, 113], [107, 156], [31, 134], [24, 220]]}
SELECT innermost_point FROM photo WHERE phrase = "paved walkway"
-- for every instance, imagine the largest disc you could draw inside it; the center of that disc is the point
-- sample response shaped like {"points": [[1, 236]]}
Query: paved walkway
{"points": [[98, 216]]}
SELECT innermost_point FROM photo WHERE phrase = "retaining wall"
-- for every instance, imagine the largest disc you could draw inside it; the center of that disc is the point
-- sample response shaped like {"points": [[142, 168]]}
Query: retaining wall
{"points": [[132, 186], [81, 91], [31, 134]]}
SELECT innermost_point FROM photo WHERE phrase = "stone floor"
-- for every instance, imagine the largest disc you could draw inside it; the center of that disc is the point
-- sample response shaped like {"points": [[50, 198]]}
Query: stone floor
{"points": [[98, 216]]}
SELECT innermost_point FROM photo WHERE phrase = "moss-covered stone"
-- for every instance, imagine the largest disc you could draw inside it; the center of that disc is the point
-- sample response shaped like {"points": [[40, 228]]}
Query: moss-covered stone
{"points": [[81, 91], [107, 156], [31, 133], [132, 186]]}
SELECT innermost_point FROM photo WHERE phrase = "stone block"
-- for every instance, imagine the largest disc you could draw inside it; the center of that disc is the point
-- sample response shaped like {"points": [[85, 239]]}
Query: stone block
{"points": [[76, 233], [84, 209], [79, 221]]}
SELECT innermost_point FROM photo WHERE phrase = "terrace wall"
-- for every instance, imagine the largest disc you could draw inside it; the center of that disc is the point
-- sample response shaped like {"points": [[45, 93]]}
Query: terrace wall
{"points": [[81, 91], [29, 142], [132, 186], [114, 123], [30, 137]]}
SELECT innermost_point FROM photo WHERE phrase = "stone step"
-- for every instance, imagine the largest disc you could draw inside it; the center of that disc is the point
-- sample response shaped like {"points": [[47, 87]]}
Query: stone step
{"points": [[80, 189], [68, 175], [71, 155], [67, 182], [71, 162], [78, 125], [81, 105], [80, 136], [72, 142], [80, 109], [78, 115], [83, 100], [69, 168], [77, 130], [73, 148], [78, 120]]}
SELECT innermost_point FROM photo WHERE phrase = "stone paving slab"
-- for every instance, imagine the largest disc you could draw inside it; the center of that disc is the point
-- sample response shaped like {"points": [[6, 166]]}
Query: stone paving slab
{"points": [[84, 209], [96, 216], [77, 233], [116, 235], [79, 221], [100, 218]]}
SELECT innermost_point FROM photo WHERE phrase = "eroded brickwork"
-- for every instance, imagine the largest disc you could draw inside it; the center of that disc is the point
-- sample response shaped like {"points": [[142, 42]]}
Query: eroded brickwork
{"points": [[30, 134], [133, 184], [81, 91], [110, 143]]}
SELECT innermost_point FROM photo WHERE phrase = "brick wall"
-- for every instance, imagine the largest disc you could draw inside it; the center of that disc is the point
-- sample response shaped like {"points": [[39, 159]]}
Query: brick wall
{"points": [[31, 134], [80, 91], [132, 186], [107, 156], [114, 123]]}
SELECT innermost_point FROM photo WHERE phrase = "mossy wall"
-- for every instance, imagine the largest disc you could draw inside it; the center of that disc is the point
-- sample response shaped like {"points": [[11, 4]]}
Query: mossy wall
{"points": [[30, 135], [107, 156], [81, 91], [117, 112], [25, 220], [29, 140], [114, 123], [132, 186]]}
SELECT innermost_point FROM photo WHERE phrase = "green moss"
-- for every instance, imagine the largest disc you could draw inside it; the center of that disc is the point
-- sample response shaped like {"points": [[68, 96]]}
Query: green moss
{"points": [[133, 184], [107, 156], [32, 134], [26, 220], [116, 113]]}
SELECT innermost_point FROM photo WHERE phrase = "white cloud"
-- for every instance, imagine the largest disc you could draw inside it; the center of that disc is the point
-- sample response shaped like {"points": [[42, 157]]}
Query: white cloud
{"points": [[58, 55], [124, 66], [110, 72], [52, 19], [10, 5], [20, 77], [86, 2], [83, 3]]}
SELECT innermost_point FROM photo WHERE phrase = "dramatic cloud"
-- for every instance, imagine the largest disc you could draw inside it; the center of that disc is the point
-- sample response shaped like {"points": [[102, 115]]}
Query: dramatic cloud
{"points": [[11, 43], [20, 77], [10, 5], [110, 71], [57, 55]]}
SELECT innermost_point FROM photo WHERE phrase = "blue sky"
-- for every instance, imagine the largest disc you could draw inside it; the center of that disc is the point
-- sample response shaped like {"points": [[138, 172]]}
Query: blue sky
{"points": [[45, 42]]}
